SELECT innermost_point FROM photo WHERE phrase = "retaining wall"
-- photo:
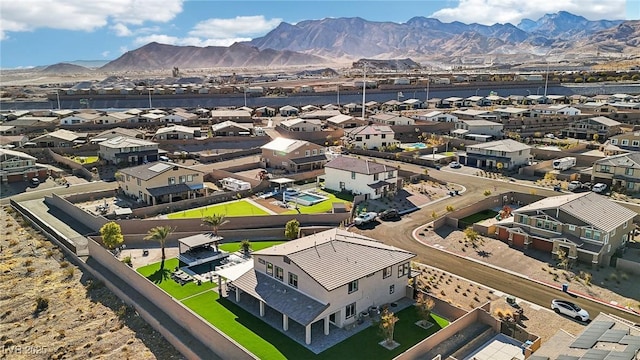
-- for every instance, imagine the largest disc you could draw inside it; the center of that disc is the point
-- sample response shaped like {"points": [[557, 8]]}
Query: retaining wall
{"points": [[91, 221]]}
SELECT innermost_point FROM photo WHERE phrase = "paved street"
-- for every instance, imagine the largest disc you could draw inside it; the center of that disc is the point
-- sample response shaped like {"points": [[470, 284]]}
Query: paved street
{"points": [[400, 234]]}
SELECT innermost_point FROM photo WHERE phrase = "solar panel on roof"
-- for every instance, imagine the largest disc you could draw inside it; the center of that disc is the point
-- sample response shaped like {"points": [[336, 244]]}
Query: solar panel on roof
{"points": [[630, 340], [613, 335], [591, 334], [159, 167], [595, 354]]}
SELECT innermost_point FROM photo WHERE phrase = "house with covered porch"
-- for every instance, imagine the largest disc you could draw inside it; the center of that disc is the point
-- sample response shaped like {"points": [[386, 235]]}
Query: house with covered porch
{"points": [[322, 281], [509, 153], [361, 176], [588, 227]]}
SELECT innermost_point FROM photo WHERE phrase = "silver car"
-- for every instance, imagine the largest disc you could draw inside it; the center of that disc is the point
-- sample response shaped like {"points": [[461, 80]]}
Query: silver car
{"points": [[569, 309]]}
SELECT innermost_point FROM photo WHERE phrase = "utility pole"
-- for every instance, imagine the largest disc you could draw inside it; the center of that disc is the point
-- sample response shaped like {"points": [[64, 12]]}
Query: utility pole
{"points": [[150, 99], [364, 86], [58, 97], [546, 81]]}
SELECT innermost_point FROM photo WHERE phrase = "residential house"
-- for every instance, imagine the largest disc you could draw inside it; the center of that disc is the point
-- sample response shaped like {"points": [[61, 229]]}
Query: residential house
{"points": [[509, 112], [13, 141], [177, 132], [626, 141], [30, 124], [621, 172], [472, 128], [392, 119], [344, 121], [597, 108], [594, 128], [128, 150], [361, 176], [8, 130], [452, 102], [289, 110], [60, 138], [556, 109], [435, 116], [476, 101], [265, 111], [370, 137], [412, 104], [115, 132], [331, 277], [80, 118], [320, 114], [309, 108], [16, 166], [179, 117], [161, 182], [509, 153], [469, 114], [588, 227], [230, 128], [239, 116], [120, 116], [293, 155], [151, 117], [301, 125]]}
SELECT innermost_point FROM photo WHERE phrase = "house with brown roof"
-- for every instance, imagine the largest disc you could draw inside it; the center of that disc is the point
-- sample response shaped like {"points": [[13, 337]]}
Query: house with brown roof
{"points": [[361, 176], [127, 150], [240, 116], [16, 166], [621, 172], [230, 128], [601, 126], [371, 136], [328, 278], [588, 227], [177, 132], [60, 138], [293, 155], [301, 125], [161, 182], [391, 119]]}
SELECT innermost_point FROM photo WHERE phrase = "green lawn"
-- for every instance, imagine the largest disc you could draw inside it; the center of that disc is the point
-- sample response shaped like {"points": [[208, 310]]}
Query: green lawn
{"points": [[255, 245], [229, 209], [163, 279], [267, 343], [318, 208], [477, 217]]}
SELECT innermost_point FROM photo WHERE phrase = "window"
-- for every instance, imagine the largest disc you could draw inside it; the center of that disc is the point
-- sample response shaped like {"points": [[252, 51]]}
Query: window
{"points": [[182, 179], [403, 269], [626, 223], [635, 143], [261, 260], [392, 289], [376, 177], [384, 136], [353, 175], [269, 268], [314, 152], [293, 280], [572, 228], [631, 185], [389, 174], [189, 178], [367, 137], [350, 310], [128, 177], [596, 235], [139, 182], [386, 272], [279, 273], [353, 286], [523, 219], [587, 234], [628, 171], [624, 142], [307, 153], [539, 223], [358, 138], [614, 141], [604, 168], [172, 180]]}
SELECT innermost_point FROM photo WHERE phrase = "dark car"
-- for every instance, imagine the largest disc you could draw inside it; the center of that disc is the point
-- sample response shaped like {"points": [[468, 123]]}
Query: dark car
{"points": [[389, 214]]}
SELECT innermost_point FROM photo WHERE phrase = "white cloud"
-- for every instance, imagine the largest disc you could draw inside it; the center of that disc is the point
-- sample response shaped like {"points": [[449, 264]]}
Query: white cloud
{"points": [[121, 29], [238, 26], [83, 15], [105, 53], [502, 11]]}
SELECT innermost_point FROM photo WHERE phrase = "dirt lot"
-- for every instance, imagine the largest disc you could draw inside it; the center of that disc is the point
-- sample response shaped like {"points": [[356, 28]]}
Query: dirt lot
{"points": [[607, 284], [79, 318]]}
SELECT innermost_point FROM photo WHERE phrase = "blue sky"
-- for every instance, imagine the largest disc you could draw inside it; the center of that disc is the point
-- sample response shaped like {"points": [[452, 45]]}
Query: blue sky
{"points": [[44, 32]]}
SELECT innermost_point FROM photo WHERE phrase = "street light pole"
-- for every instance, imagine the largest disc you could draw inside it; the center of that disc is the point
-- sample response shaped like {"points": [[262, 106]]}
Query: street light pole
{"points": [[546, 81], [58, 97], [428, 81], [150, 99], [477, 91], [245, 96], [364, 86]]}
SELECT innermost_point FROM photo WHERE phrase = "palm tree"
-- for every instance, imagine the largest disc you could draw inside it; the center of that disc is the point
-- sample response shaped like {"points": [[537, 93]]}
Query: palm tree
{"points": [[245, 245], [215, 221], [159, 234]]}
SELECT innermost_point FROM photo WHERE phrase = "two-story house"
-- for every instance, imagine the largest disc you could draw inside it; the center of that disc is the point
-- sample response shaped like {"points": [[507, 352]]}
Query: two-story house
{"points": [[510, 153], [122, 149], [370, 137], [161, 182], [470, 128], [360, 176], [293, 155], [629, 141], [16, 166], [588, 227], [601, 126], [329, 277], [621, 172]]}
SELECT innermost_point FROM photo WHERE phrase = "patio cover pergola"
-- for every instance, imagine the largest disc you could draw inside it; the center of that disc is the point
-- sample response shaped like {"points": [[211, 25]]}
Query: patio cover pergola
{"points": [[198, 240], [281, 181]]}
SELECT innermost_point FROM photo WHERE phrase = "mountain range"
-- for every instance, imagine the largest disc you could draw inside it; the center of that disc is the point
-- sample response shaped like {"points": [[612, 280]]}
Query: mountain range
{"points": [[332, 40]]}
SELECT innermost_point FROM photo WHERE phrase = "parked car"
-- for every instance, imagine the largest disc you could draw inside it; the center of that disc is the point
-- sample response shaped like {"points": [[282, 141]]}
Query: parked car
{"points": [[599, 188], [35, 181], [570, 309], [455, 165], [389, 214], [364, 218], [574, 185]]}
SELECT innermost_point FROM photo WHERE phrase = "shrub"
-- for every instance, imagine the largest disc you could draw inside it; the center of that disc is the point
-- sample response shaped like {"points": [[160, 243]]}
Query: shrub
{"points": [[13, 242], [64, 264], [30, 269], [487, 192], [42, 304], [69, 271], [28, 262], [127, 260]]}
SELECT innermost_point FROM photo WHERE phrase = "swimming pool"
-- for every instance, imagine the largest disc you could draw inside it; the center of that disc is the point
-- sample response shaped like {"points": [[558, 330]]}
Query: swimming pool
{"points": [[414, 146], [306, 198]]}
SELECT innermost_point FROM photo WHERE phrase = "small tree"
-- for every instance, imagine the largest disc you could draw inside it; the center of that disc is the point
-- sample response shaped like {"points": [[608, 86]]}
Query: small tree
{"points": [[111, 235], [472, 236], [388, 322], [424, 305], [245, 245], [563, 259], [434, 214], [499, 166], [292, 229], [214, 221], [159, 234]]}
